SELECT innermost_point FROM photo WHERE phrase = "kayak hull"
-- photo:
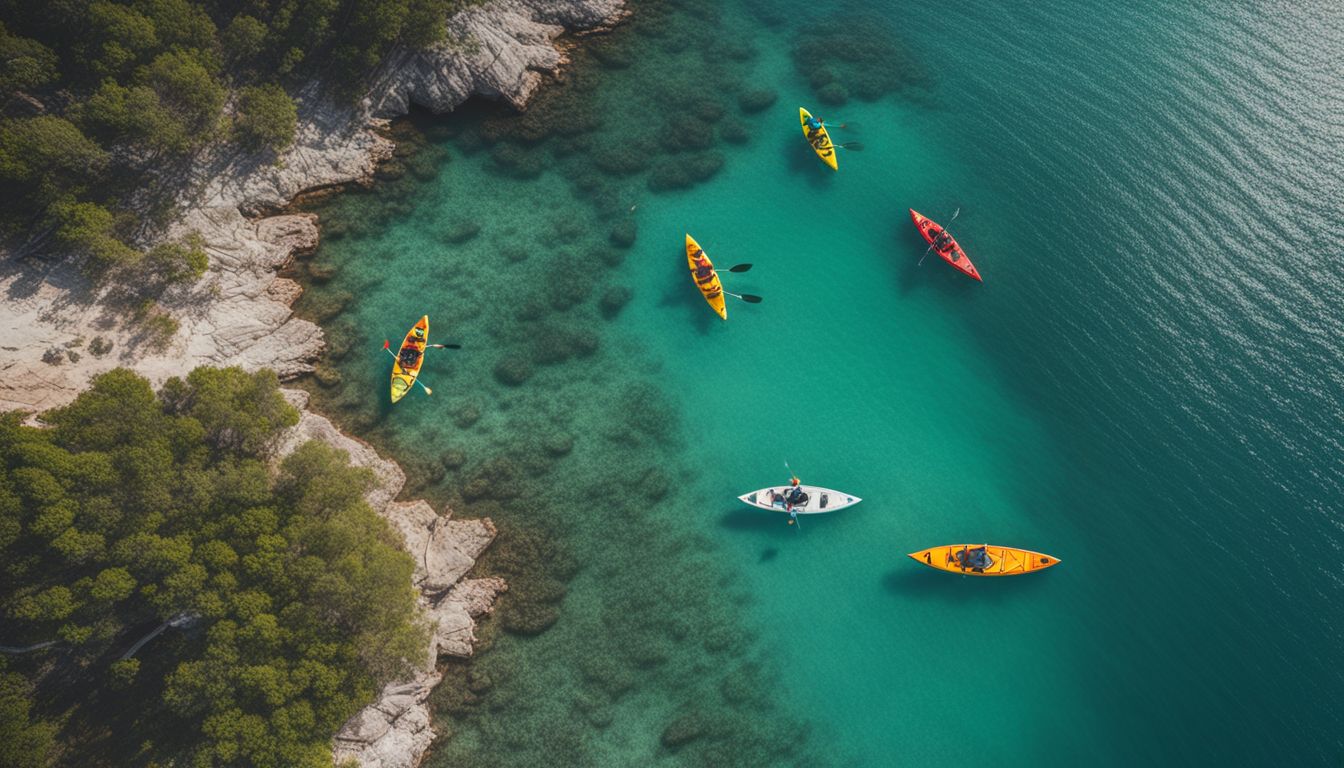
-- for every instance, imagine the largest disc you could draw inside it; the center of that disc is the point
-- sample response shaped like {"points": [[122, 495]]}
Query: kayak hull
{"points": [[403, 379], [820, 140], [1005, 561], [710, 287], [953, 255], [820, 501]]}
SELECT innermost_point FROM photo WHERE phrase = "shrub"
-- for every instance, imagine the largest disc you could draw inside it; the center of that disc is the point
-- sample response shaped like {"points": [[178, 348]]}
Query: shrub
{"points": [[266, 117]]}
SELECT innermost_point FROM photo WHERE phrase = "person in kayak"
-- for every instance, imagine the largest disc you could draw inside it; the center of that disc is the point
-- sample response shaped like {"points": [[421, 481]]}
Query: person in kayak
{"points": [[977, 559], [943, 241], [814, 124], [410, 354], [794, 496], [704, 270]]}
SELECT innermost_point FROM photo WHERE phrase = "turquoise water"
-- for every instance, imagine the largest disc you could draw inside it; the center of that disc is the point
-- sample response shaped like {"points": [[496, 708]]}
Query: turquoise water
{"points": [[1146, 385]]}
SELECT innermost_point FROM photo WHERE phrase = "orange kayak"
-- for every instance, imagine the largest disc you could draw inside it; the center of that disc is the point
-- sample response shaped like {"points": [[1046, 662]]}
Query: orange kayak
{"points": [[952, 253], [994, 561]]}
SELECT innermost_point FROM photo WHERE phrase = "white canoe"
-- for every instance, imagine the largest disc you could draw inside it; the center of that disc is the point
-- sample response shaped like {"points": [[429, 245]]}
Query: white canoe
{"points": [[819, 500]]}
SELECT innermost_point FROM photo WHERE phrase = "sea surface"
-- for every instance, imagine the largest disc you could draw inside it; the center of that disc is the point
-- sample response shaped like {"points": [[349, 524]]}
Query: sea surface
{"points": [[1148, 385]]}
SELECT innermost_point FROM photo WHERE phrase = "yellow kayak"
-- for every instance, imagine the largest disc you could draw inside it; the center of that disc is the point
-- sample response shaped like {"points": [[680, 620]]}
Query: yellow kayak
{"points": [[819, 139], [994, 561], [706, 279], [413, 346]]}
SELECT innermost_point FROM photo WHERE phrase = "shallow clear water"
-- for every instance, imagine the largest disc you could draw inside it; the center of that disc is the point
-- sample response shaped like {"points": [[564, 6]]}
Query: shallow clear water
{"points": [[1147, 385]]}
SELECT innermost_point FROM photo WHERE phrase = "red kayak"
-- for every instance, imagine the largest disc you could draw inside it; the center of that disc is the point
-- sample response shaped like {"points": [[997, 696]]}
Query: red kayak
{"points": [[952, 252]]}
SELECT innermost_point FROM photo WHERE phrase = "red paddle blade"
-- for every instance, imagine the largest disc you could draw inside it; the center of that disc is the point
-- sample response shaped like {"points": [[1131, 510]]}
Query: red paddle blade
{"points": [[387, 344]]}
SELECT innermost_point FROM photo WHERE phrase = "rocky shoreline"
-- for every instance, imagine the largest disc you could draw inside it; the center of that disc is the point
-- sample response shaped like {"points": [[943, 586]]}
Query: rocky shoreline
{"points": [[239, 312]]}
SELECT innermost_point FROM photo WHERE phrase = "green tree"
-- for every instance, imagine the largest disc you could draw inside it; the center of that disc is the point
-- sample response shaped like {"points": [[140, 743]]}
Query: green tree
{"points": [[266, 117], [23, 743], [240, 412], [43, 158], [89, 229], [189, 93], [243, 41], [175, 262], [24, 63], [180, 24], [120, 37], [134, 507]]}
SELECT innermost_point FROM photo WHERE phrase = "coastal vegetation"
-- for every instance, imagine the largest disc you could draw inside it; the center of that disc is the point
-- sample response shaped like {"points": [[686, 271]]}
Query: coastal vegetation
{"points": [[130, 509], [105, 102]]}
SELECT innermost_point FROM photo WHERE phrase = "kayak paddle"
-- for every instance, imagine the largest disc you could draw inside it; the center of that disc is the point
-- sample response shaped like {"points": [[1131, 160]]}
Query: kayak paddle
{"points": [[736, 268], [793, 514], [747, 297], [853, 146], [930, 248], [387, 347]]}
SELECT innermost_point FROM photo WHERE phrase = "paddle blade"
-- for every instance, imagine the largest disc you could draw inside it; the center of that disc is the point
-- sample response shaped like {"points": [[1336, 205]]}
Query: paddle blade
{"points": [[750, 298], [853, 146], [446, 346], [387, 344], [428, 391], [740, 268]]}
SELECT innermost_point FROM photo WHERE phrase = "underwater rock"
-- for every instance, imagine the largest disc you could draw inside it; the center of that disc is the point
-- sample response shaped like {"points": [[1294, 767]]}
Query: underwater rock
{"points": [[513, 371], [528, 618], [683, 133], [833, 94], [684, 730], [756, 100], [708, 111], [466, 415], [493, 480], [321, 272], [453, 459], [654, 485], [734, 132], [558, 443], [612, 257], [859, 51], [613, 300], [623, 233], [669, 175], [514, 254], [569, 289], [518, 162], [608, 673], [704, 165], [327, 305], [623, 159], [327, 376], [611, 56], [460, 232], [390, 170]]}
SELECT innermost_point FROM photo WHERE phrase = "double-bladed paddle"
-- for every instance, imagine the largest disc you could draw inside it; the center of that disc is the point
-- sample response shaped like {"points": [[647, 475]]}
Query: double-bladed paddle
{"points": [[935, 239], [387, 347]]}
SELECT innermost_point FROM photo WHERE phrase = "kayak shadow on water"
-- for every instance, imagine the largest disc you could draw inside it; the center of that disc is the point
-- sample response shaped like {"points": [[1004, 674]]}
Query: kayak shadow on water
{"points": [[919, 581], [802, 161], [756, 520]]}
